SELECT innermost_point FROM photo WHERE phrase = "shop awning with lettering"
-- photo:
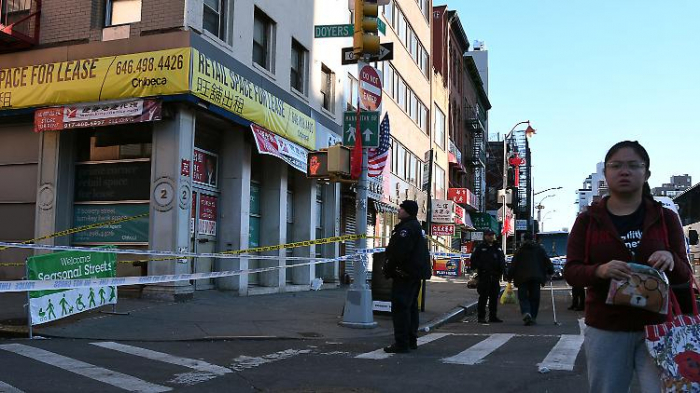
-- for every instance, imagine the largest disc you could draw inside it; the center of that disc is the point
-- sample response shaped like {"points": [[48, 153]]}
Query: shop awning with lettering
{"points": [[274, 145]]}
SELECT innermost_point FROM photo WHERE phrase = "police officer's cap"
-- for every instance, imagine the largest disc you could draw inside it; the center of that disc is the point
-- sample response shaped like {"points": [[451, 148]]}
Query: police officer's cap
{"points": [[411, 207]]}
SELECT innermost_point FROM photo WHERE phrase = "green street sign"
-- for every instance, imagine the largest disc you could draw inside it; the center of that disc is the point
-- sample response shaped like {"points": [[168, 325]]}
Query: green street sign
{"points": [[333, 31], [381, 26], [346, 30], [369, 128]]}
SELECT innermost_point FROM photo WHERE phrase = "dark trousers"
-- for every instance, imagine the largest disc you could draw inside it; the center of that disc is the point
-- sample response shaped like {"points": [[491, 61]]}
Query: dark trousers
{"points": [[488, 288], [404, 311], [529, 297], [578, 295]]}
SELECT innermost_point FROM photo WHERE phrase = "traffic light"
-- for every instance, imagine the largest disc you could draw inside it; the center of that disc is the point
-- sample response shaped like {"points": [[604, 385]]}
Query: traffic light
{"points": [[339, 160], [317, 165], [366, 35]]}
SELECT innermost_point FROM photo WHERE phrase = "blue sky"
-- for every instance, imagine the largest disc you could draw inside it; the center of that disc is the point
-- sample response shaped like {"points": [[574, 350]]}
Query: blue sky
{"points": [[588, 74]]}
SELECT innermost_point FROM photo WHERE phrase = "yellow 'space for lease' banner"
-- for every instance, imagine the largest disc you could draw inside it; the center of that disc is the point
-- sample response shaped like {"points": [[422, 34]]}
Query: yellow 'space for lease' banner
{"points": [[223, 87], [164, 72]]}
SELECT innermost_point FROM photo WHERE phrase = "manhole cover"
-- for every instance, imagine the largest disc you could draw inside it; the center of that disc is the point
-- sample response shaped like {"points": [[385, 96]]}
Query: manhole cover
{"points": [[310, 334]]}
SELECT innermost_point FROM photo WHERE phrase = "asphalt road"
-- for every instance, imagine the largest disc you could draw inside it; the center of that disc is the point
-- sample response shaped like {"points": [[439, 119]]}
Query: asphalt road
{"points": [[457, 357]]}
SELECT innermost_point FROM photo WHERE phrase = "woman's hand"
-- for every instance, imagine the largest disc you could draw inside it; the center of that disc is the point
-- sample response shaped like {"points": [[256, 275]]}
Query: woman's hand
{"points": [[661, 260], [614, 269]]}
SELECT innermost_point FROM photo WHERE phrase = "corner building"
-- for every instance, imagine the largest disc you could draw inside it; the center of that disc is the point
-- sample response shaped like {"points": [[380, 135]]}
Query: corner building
{"points": [[195, 116]]}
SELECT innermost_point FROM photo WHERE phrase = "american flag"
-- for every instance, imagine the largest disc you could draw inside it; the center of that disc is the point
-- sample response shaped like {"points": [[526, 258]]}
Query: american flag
{"points": [[377, 158]]}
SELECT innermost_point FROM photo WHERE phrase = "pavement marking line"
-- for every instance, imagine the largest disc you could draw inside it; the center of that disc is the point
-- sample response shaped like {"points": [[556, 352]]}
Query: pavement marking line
{"points": [[5, 388], [88, 370], [379, 354], [563, 356], [476, 353], [582, 325], [165, 358]]}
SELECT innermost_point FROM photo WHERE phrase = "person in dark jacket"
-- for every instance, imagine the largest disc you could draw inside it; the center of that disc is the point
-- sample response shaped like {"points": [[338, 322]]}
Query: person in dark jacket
{"points": [[626, 226], [529, 270], [408, 261], [489, 262]]}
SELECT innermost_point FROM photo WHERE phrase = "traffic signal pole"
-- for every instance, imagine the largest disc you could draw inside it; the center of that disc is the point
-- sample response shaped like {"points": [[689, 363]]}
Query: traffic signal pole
{"points": [[357, 312]]}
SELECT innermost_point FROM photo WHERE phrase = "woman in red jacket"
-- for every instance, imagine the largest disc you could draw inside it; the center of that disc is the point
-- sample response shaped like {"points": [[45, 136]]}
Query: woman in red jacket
{"points": [[626, 226]]}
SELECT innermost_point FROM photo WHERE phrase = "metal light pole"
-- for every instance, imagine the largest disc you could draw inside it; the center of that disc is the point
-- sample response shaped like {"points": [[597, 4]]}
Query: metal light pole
{"points": [[505, 179], [539, 206], [544, 218]]}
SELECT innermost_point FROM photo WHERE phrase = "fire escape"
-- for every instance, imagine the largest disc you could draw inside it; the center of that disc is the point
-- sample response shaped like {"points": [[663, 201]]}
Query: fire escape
{"points": [[475, 118], [521, 147], [19, 24]]}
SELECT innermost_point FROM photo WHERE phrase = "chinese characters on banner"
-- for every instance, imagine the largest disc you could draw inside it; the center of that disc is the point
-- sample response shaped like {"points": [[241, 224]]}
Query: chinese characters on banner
{"points": [[204, 167], [458, 195], [442, 229], [443, 211]]}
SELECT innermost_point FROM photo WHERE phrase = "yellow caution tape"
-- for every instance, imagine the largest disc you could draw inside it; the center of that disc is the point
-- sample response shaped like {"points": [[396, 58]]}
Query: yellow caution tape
{"points": [[304, 243]]}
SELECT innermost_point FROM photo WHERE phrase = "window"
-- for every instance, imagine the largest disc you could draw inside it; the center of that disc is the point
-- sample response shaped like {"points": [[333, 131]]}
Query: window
{"points": [[423, 117], [439, 185], [213, 21], [327, 90], [402, 26], [389, 12], [413, 109], [402, 95], [389, 81], [412, 170], [297, 73], [401, 162], [439, 127], [424, 61], [413, 45], [120, 12], [263, 37], [352, 93]]}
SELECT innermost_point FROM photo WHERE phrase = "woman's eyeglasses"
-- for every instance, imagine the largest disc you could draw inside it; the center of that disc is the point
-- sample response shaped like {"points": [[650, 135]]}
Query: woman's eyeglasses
{"points": [[631, 165]]}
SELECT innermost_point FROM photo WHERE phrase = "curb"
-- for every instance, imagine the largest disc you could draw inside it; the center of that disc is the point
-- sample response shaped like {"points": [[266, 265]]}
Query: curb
{"points": [[453, 315]]}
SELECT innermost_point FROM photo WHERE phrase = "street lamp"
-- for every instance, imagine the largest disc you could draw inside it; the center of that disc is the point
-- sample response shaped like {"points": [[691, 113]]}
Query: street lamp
{"points": [[539, 207], [528, 132], [553, 188], [544, 218]]}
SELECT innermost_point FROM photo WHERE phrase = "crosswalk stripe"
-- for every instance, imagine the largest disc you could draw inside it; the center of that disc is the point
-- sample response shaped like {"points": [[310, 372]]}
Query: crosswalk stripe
{"points": [[379, 354], [5, 388], [164, 357], [563, 355], [104, 375], [476, 353]]}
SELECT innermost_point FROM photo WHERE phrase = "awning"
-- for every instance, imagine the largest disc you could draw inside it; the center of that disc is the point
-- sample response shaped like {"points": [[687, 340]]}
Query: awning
{"points": [[274, 145]]}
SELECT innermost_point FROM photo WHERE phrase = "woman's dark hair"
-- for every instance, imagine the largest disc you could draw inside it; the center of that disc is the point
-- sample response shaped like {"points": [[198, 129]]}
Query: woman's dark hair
{"points": [[641, 152]]}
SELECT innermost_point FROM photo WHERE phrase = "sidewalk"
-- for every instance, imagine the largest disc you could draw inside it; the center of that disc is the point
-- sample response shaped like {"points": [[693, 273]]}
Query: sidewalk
{"points": [[213, 315]]}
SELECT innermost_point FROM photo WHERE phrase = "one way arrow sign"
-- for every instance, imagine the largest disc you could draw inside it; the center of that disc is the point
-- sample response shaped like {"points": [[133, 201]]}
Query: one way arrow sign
{"points": [[386, 52], [369, 122]]}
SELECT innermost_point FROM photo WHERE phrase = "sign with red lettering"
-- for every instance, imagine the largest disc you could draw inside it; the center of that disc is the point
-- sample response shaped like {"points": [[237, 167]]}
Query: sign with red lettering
{"points": [[207, 215], [442, 229], [204, 168], [370, 88], [96, 115], [185, 167]]}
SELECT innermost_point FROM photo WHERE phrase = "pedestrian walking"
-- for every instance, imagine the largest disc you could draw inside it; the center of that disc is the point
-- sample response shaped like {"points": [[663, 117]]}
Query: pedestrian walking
{"points": [[408, 261], [626, 226], [578, 298], [529, 270], [489, 261]]}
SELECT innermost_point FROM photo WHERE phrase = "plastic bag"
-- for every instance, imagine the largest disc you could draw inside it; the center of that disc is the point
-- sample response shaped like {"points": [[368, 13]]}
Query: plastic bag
{"points": [[508, 296]]}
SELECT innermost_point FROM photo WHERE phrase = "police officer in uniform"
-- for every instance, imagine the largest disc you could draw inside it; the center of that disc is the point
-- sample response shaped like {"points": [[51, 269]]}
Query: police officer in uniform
{"points": [[408, 261], [490, 262]]}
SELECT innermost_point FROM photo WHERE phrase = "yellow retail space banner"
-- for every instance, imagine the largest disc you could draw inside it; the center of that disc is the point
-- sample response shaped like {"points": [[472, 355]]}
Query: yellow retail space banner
{"points": [[145, 74], [217, 84]]}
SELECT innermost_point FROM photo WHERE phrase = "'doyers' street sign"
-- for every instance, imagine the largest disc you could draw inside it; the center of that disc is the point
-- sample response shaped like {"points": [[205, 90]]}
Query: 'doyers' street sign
{"points": [[345, 30], [370, 88]]}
